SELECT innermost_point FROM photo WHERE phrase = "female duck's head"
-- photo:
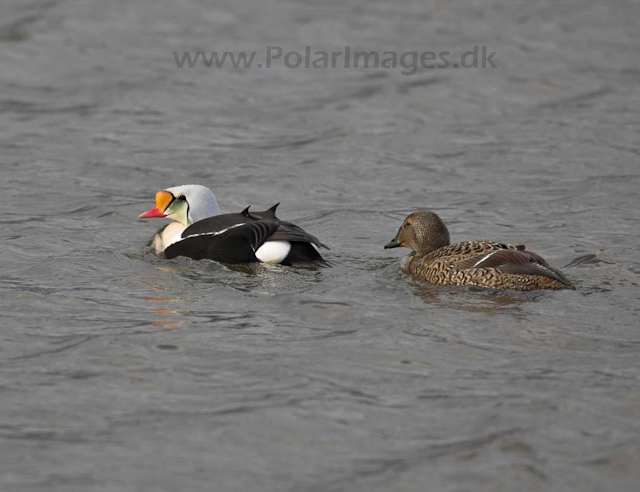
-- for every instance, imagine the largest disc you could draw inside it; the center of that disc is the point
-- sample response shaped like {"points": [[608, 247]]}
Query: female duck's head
{"points": [[185, 204], [423, 232]]}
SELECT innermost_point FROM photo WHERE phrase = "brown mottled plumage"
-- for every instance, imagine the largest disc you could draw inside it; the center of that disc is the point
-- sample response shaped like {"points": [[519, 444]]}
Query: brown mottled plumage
{"points": [[475, 263]]}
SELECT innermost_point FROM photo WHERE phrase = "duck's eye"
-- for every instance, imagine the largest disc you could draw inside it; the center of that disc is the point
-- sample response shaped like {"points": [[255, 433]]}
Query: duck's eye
{"points": [[182, 198], [407, 224]]}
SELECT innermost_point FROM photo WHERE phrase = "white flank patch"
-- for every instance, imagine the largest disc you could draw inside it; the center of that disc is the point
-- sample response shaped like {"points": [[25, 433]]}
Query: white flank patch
{"points": [[485, 258], [273, 251]]}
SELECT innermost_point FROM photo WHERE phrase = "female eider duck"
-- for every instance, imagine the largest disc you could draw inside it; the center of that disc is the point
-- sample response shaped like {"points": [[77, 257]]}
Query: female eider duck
{"points": [[199, 231], [474, 263]]}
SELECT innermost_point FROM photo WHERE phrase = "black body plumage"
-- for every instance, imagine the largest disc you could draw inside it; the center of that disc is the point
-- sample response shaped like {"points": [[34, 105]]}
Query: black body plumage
{"points": [[235, 238]]}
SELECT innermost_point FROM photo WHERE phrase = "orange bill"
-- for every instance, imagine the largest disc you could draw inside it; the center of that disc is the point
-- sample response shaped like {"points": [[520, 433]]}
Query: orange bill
{"points": [[163, 200]]}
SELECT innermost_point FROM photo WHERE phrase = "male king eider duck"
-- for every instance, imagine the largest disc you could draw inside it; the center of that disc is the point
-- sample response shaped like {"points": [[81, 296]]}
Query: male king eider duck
{"points": [[475, 263], [200, 231]]}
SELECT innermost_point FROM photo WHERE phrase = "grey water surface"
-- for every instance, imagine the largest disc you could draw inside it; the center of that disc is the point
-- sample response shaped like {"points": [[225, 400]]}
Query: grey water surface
{"points": [[121, 371]]}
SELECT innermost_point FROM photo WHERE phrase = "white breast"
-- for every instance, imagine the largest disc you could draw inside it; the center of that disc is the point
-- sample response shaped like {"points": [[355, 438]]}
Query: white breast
{"points": [[168, 236], [273, 251]]}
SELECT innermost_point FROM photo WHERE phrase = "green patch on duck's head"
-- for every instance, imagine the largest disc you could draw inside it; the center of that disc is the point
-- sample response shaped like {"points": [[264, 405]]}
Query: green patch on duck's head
{"points": [[178, 210]]}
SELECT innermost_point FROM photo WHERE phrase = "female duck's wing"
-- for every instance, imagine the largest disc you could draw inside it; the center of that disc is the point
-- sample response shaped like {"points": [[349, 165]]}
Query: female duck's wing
{"points": [[514, 261], [468, 249]]}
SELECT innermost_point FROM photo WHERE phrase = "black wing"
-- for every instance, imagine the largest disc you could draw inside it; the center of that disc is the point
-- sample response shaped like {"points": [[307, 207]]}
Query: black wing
{"points": [[234, 238], [290, 232], [234, 244]]}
